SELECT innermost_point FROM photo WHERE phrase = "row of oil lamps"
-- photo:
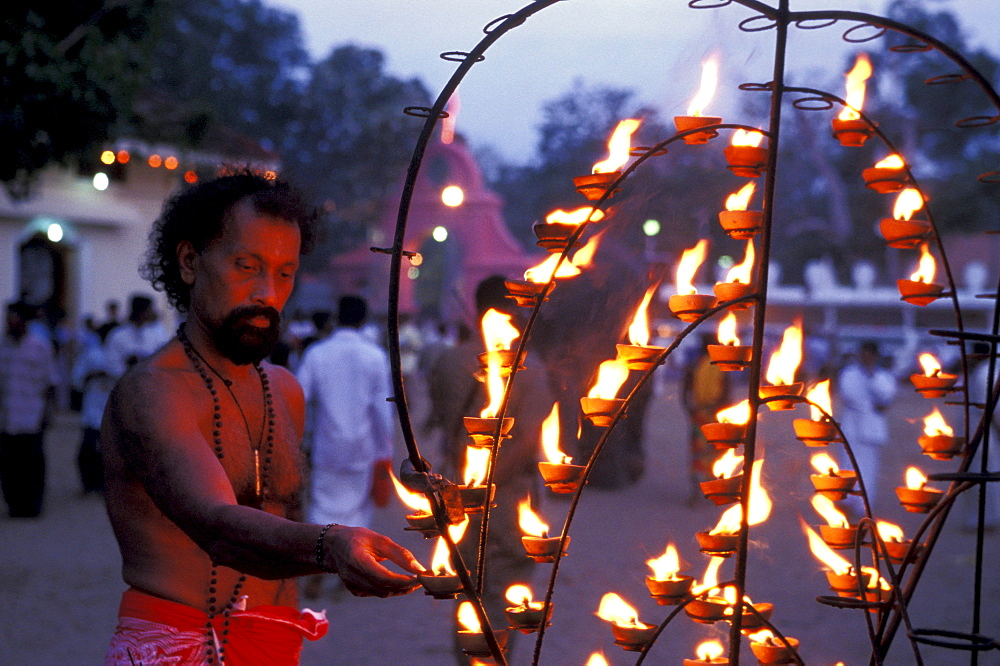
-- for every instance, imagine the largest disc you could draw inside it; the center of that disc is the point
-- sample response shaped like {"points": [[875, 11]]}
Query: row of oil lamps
{"points": [[705, 602]]}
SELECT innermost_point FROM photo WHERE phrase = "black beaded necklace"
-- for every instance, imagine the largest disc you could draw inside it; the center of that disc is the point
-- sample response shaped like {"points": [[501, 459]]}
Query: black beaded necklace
{"points": [[260, 475]]}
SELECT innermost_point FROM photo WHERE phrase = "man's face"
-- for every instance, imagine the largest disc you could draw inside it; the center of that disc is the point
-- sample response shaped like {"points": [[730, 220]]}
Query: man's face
{"points": [[242, 280]]}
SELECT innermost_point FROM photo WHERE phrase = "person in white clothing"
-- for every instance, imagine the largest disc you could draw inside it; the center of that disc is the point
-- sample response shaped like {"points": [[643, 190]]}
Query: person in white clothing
{"points": [[866, 390], [345, 379], [138, 338]]}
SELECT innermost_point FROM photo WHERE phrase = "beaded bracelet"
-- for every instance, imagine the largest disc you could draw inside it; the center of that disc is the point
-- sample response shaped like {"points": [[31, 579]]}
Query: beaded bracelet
{"points": [[319, 549]]}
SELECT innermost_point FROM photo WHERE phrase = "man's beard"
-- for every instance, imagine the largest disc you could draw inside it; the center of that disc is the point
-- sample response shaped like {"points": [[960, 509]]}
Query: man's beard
{"points": [[243, 343]]}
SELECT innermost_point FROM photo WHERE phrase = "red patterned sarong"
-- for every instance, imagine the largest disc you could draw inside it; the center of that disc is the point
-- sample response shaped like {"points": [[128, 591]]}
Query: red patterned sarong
{"points": [[157, 631]]}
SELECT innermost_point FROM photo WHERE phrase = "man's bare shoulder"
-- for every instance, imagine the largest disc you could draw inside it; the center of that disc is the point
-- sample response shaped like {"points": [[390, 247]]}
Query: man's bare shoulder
{"points": [[155, 383]]}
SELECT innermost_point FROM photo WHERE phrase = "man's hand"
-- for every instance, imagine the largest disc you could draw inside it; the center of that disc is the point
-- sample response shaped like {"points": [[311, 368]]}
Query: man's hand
{"points": [[357, 554]]}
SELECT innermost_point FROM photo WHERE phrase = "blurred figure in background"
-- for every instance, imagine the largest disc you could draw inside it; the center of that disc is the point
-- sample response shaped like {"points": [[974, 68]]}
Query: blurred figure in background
{"points": [[705, 391], [94, 377], [137, 338]]}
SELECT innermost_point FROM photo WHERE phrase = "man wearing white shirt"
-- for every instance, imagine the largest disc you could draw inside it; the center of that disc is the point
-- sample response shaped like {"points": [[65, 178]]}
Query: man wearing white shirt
{"points": [[138, 338]]}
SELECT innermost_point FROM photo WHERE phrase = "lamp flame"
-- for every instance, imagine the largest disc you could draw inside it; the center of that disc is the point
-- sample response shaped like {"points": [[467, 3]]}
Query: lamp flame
{"points": [[931, 366], [856, 78], [709, 650], [519, 595], [742, 272], [575, 217], [915, 479], [825, 507], [690, 262], [440, 559], [597, 659], [415, 501], [934, 424], [738, 413], [618, 146], [727, 330], [892, 161], [889, 531], [824, 553], [759, 506], [468, 619], [740, 199], [742, 137], [725, 466], [785, 361], [638, 330], [710, 581], [529, 521], [542, 273], [823, 463], [498, 332], [610, 377], [614, 609], [666, 566], [926, 268], [550, 438], [706, 89], [477, 462], [820, 394], [908, 202]]}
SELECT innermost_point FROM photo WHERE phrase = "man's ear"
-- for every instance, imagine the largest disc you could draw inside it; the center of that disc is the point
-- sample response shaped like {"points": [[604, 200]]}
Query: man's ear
{"points": [[187, 260]]}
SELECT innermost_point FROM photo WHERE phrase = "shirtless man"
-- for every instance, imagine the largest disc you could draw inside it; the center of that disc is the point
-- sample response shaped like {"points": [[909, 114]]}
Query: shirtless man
{"points": [[201, 449]]}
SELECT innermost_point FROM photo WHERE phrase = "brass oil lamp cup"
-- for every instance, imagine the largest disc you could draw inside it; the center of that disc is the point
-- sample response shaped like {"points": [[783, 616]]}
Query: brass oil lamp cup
{"points": [[543, 548], [524, 293], [839, 538], [768, 391], [482, 430], [639, 357], [594, 185], [685, 123], [633, 638], [851, 133], [443, 586], [475, 497], [561, 477], [724, 435], [528, 618], [731, 291], [899, 551], [670, 592], [719, 545], [904, 234], [814, 433], [707, 609], [835, 486], [940, 447], [688, 307], [884, 180], [774, 650], [730, 358], [506, 357], [741, 224], [846, 584], [601, 411], [423, 523], [723, 491], [919, 293], [473, 643], [935, 386], [554, 236], [918, 500], [746, 161]]}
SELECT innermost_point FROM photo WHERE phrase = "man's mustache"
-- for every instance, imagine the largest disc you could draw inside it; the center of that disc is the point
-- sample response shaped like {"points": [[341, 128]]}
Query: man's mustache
{"points": [[245, 313]]}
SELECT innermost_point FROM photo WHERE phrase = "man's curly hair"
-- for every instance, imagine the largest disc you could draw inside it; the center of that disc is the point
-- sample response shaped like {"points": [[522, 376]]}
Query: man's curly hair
{"points": [[198, 214]]}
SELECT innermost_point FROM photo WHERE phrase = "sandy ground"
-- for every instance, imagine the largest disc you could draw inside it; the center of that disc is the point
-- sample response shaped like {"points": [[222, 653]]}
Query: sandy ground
{"points": [[60, 584]]}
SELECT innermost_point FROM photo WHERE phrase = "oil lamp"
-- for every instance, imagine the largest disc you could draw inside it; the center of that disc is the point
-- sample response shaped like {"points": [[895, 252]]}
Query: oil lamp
{"points": [[933, 383], [830, 481], [920, 288], [526, 293], [838, 533], [422, 519], [639, 355], [708, 653], [729, 355], [817, 430], [939, 441], [709, 605], [538, 545], [750, 621], [694, 118], [849, 128], [557, 472], [687, 304], [915, 496], [441, 582], [725, 487], [470, 636], [782, 367], [600, 405], [878, 591], [498, 334], [597, 659], [901, 230], [840, 574], [887, 176], [730, 430], [745, 156], [722, 540], [737, 284], [607, 171], [630, 634], [769, 649], [553, 235], [474, 493], [665, 585], [525, 615], [736, 220], [898, 547]]}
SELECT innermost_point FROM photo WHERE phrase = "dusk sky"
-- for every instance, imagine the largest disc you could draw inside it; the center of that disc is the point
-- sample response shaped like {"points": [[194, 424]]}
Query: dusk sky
{"points": [[654, 47]]}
